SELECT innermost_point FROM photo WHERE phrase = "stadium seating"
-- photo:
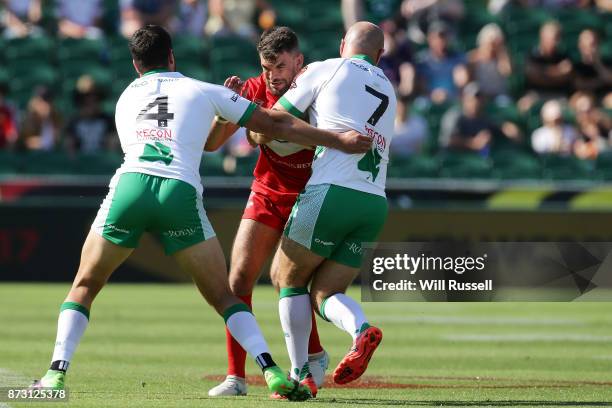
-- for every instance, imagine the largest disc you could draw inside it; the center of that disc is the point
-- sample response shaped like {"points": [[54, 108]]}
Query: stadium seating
{"points": [[57, 63], [603, 165], [33, 49], [566, 168], [212, 164], [25, 78], [413, 167], [9, 163], [465, 165], [512, 164]]}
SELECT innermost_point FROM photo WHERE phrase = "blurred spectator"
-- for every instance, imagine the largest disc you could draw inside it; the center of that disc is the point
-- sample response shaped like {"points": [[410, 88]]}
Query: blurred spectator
{"points": [[439, 71], [499, 6], [20, 18], [190, 18], [593, 73], [79, 19], [594, 126], [555, 136], [606, 101], [90, 130], [395, 62], [490, 64], [563, 3], [548, 69], [604, 5], [375, 11], [420, 14], [236, 17], [410, 134], [41, 126], [467, 128], [8, 128], [138, 13], [496, 7]]}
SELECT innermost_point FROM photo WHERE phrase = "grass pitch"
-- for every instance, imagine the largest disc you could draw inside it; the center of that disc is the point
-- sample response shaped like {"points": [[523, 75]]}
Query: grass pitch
{"points": [[162, 346]]}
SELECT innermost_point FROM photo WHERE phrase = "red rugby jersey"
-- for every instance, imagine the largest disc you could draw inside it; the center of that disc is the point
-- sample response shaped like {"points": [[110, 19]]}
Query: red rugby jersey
{"points": [[282, 166]]}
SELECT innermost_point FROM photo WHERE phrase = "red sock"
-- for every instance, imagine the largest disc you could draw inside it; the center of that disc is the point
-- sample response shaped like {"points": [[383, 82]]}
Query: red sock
{"points": [[314, 344], [236, 355]]}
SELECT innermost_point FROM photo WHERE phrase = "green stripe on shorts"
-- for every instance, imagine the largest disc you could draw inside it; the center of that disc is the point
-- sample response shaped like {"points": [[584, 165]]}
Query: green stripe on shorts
{"points": [[169, 208], [334, 221]]}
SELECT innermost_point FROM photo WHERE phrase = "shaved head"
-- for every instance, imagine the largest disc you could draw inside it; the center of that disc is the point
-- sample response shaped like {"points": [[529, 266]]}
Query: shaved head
{"points": [[363, 38]]}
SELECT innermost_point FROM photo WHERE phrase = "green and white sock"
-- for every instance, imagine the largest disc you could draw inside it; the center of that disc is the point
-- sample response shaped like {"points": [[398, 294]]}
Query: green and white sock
{"points": [[345, 314], [295, 314], [71, 325], [244, 328]]}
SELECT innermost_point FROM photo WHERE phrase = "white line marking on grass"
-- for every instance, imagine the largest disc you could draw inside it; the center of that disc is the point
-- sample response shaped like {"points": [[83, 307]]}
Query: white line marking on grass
{"points": [[518, 338], [10, 378], [476, 320]]}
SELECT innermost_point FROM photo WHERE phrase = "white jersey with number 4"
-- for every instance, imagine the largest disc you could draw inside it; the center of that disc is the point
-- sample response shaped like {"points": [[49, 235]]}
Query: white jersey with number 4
{"points": [[344, 94], [163, 119]]}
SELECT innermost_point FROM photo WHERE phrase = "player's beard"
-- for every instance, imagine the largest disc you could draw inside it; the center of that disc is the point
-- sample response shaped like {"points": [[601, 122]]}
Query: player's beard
{"points": [[279, 87]]}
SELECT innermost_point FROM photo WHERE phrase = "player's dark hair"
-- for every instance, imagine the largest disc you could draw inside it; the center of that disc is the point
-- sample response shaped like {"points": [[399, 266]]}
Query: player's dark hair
{"points": [[275, 41], [150, 47]]}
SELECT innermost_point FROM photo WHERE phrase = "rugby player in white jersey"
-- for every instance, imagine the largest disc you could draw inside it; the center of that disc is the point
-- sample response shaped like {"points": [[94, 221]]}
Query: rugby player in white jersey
{"points": [[162, 120], [343, 203]]}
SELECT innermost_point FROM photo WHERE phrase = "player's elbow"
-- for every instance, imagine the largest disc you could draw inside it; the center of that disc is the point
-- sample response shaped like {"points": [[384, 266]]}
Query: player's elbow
{"points": [[268, 121]]}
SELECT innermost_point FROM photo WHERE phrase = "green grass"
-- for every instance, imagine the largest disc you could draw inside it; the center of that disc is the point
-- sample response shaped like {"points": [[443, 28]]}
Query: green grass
{"points": [[152, 345]]}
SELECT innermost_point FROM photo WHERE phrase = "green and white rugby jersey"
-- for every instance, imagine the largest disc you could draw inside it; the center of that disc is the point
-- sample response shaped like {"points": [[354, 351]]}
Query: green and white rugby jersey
{"points": [[341, 94], [163, 119]]}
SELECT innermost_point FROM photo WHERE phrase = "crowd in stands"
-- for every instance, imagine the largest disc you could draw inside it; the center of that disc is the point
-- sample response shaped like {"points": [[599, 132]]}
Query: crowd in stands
{"points": [[497, 82], [471, 81]]}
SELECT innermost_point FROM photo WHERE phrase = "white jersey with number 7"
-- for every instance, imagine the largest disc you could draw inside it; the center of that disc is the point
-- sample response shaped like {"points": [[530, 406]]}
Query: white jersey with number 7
{"points": [[341, 94], [163, 119]]}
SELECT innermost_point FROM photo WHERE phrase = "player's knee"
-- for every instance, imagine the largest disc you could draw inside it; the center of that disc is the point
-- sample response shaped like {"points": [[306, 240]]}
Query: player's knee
{"points": [[318, 294], [317, 297], [274, 278], [241, 282]]}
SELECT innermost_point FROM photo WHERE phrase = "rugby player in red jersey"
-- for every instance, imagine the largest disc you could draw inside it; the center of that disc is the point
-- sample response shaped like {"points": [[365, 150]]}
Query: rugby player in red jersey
{"points": [[281, 173]]}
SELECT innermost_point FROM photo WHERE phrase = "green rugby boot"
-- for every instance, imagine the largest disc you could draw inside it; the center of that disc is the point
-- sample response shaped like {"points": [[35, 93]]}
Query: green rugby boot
{"points": [[54, 379], [279, 383]]}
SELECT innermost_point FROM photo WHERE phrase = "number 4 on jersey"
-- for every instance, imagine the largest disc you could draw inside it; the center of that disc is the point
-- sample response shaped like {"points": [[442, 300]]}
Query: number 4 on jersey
{"points": [[162, 116]]}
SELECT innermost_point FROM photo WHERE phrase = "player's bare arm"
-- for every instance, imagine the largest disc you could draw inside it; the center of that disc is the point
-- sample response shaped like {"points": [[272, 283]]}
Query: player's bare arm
{"points": [[221, 129], [288, 127]]}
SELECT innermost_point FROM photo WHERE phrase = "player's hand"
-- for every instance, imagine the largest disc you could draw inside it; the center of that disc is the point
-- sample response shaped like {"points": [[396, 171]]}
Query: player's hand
{"points": [[234, 83], [353, 142], [255, 138]]}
